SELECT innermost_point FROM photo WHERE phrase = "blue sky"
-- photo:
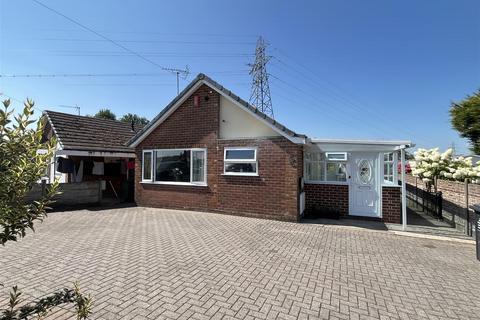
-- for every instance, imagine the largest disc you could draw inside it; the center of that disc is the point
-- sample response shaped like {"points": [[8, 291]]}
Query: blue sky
{"points": [[340, 69]]}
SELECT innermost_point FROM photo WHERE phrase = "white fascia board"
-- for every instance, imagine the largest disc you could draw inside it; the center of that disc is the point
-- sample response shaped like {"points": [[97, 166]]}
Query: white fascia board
{"points": [[348, 147], [83, 153], [362, 142], [296, 140], [167, 114]]}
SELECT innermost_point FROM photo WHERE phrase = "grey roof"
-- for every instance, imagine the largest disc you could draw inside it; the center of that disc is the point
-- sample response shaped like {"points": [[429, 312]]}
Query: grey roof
{"points": [[89, 133], [227, 92]]}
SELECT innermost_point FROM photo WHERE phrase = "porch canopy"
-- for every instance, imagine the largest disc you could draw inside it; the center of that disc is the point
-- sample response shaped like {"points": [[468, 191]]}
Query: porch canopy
{"points": [[361, 145], [348, 145]]}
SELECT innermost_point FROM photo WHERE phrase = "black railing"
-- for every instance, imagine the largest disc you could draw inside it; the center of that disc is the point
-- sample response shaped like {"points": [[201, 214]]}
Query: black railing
{"points": [[429, 202], [476, 208]]}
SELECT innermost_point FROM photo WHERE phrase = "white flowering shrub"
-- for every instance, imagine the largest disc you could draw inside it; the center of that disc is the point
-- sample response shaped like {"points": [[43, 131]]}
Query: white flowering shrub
{"points": [[462, 168], [430, 165]]}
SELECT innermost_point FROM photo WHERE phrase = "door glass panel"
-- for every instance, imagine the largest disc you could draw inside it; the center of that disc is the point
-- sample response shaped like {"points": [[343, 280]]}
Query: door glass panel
{"points": [[364, 172]]}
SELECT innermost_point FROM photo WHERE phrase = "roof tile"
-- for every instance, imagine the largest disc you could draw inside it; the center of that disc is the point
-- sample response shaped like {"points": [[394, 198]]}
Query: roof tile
{"points": [[89, 133]]}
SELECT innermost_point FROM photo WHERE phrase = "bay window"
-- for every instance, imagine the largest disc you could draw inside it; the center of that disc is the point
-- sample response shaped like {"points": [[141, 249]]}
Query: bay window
{"points": [[174, 166], [240, 161]]}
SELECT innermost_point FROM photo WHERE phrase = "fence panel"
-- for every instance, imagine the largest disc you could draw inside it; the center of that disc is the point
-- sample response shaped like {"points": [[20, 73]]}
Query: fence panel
{"points": [[83, 193]]}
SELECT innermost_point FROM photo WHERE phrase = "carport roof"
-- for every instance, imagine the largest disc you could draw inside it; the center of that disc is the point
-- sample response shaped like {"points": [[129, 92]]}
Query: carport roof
{"points": [[90, 134]]}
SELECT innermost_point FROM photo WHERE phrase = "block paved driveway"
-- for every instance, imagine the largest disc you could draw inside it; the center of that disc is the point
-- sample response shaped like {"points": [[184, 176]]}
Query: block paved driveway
{"points": [[141, 263]]}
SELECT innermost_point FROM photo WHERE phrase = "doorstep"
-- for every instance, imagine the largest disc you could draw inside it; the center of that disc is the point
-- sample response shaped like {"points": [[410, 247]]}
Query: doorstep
{"points": [[436, 233]]}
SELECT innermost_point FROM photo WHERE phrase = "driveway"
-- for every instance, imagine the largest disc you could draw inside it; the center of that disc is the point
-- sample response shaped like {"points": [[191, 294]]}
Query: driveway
{"points": [[146, 263]]}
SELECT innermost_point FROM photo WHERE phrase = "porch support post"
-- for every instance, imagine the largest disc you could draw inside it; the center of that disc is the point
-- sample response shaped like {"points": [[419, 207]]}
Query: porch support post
{"points": [[404, 189]]}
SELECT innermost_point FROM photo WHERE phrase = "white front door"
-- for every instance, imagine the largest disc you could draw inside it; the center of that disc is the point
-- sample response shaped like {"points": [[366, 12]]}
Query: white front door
{"points": [[364, 185]]}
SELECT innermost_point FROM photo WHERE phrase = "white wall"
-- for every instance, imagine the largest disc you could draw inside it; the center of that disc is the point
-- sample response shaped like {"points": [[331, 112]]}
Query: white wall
{"points": [[55, 175], [238, 123]]}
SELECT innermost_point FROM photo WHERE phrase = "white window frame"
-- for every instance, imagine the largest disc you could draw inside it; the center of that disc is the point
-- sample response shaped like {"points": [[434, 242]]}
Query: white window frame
{"points": [[198, 183], [151, 165], [394, 169], [336, 181], [324, 163], [344, 154], [191, 183], [254, 160]]}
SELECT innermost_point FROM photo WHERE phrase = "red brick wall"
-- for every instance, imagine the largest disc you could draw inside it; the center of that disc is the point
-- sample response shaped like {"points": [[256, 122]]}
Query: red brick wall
{"points": [[273, 194], [392, 204], [336, 197], [327, 195]]}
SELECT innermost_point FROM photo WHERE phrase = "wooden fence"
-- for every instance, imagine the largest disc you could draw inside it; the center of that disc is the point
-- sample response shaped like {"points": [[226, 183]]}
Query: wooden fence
{"points": [[72, 194]]}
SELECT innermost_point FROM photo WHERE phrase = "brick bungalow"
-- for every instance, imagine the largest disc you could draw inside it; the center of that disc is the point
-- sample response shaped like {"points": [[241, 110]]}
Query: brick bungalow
{"points": [[209, 150]]}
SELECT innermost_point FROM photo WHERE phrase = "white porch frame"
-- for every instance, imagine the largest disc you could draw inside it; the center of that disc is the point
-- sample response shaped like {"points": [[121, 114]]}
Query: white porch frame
{"points": [[404, 188], [339, 145]]}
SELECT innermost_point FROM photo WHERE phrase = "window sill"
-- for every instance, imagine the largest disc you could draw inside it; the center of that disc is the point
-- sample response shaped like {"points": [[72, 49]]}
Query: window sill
{"points": [[239, 174], [189, 184], [391, 185], [342, 183]]}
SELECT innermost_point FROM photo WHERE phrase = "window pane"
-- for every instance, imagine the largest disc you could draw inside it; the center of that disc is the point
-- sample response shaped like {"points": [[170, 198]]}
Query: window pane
{"points": [[241, 167], [240, 154], [198, 166], [315, 156], [172, 165], [388, 157], [147, 166], [336, 156], [336, 171], [314, 171], [388, 171]]}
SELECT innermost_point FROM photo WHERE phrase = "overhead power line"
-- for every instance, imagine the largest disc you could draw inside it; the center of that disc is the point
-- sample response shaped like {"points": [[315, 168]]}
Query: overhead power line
{"points": [[148, 41], [17, 100], [314, 100], [342, 96], [105, 37], [71, 53], [83, 75], [176, 34], [80, 75]]}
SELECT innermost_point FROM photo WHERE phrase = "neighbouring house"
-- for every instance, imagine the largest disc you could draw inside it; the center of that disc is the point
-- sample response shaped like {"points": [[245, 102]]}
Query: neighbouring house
{"points": [[209, 150], [91, 149]]}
